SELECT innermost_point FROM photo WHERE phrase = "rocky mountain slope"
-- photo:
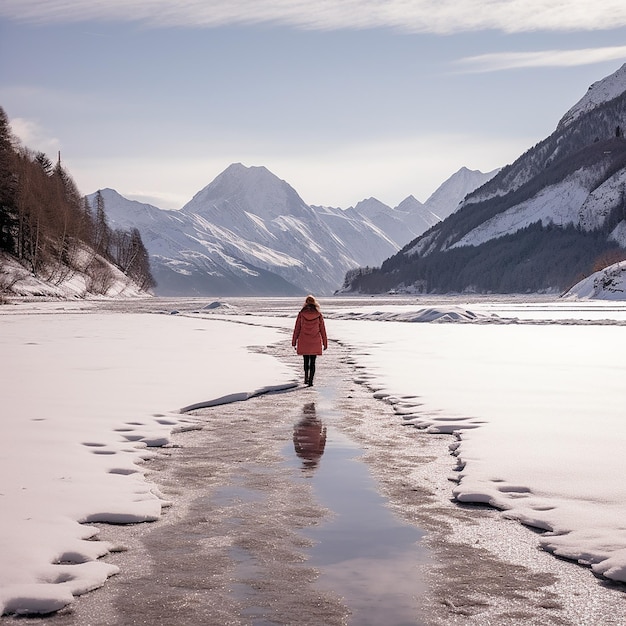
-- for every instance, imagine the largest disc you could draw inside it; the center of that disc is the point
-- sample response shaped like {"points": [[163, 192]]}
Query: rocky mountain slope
{"points": [[539, 224]]}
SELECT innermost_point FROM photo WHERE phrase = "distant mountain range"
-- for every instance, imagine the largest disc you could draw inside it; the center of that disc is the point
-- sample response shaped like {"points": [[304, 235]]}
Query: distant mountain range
{"points": [[250, 233], [552, 217]]}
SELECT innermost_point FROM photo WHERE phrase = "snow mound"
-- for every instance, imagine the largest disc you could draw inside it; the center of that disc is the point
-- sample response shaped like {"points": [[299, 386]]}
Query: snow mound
{"points": [[219, 307], [607, 284], [433, 314]]}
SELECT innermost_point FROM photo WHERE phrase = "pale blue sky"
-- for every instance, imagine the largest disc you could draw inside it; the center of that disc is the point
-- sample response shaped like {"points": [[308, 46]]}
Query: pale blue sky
{"points": [[346, 100]]}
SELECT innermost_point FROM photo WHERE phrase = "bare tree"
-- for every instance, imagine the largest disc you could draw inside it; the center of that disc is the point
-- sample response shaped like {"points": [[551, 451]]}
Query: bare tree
{"points": [[49, 228]]}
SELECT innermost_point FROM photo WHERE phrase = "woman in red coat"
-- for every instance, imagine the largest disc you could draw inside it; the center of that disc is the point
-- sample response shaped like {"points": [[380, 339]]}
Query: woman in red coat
{"points": [[309, 336]]}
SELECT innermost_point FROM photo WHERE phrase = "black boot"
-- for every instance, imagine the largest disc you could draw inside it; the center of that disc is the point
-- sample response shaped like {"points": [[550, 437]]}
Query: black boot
{"points": [[310, 381]]}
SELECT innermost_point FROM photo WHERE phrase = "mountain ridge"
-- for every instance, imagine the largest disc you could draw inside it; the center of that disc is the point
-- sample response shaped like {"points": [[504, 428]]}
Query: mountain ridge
{"points": [[249, 225], [539, 223]]}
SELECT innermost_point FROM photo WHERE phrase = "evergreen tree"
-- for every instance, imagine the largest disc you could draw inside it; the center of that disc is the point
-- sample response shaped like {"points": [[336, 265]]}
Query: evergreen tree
{"points": [[102, 230], [139, 269], [9, 217], [45, 163]]}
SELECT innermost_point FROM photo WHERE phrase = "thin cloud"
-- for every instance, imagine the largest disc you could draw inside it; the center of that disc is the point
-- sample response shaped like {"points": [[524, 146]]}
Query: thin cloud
{"points": [[32, 135], [543, 58], [417, 16]]}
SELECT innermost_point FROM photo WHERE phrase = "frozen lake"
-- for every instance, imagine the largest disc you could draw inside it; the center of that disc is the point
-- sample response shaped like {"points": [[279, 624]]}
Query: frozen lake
{"points": [[530, 391]]}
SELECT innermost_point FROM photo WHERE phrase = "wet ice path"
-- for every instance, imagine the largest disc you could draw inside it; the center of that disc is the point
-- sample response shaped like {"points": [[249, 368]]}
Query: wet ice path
{"points": [[258, 534], [363, 551]]}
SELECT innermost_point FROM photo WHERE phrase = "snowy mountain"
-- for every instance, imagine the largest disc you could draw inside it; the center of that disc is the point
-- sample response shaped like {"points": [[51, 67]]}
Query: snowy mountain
{"points": [[417, 216], [401, 224], [411, 218], [538, 224], [255, 217], [364, 239], [446, 198], [185, 261], [249, 233], [600, 92]]}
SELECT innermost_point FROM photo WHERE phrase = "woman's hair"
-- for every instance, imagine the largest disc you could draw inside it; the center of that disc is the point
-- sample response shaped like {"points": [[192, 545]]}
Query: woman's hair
{"points": [[311, 302]]}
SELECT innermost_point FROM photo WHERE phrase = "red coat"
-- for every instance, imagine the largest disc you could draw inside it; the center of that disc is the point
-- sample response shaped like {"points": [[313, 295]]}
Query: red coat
{"points": [[309, 333]]}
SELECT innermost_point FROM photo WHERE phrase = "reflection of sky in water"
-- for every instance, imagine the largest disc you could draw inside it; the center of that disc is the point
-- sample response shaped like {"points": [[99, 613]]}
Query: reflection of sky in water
{"points": [[364, 553]]}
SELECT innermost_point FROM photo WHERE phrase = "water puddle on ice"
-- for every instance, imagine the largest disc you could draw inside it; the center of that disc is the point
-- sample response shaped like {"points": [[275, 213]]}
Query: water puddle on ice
{"points": [[363, 551]]}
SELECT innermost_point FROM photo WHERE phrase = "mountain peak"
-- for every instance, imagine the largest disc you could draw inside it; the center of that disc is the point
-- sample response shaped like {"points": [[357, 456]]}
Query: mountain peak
{"points": [[239, 169], [371, 206], [240, 174], [601, 91], [410, 203], [446, 198], [242, 189]]}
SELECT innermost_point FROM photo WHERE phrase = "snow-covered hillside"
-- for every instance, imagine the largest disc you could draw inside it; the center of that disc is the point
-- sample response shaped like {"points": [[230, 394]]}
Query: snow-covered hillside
{"points": [[585, 199], [607, 284], [561, 204], [600, 92], [537, 224], [17, 283]]}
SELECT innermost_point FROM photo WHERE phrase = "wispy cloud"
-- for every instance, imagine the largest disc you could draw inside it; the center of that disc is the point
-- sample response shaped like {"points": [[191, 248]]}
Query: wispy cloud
{"points": [[419, 16], [31, 134], [543, 58]]}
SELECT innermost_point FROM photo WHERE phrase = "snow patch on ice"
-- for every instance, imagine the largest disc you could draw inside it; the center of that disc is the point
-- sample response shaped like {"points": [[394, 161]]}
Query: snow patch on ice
{"points": [[391, 314]]}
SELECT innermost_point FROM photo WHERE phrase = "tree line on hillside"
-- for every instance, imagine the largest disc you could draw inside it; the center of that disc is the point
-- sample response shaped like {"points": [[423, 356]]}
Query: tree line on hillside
{"points": [[52, 231], [539, 258]]}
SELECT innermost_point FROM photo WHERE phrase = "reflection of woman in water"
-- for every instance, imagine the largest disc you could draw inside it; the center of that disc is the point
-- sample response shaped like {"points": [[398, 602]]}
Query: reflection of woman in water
{"points": [[309, 437], [309, 336]]}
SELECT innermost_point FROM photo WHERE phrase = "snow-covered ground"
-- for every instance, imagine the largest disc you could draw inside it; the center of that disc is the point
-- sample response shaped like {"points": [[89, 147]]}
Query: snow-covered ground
{"points": [[84, 396], [541, 416], [535, 393], [535, 390]]}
